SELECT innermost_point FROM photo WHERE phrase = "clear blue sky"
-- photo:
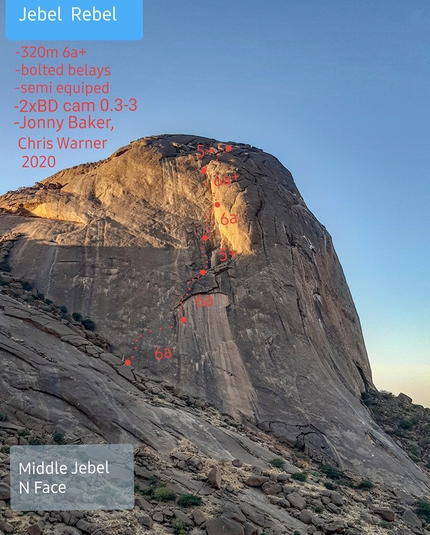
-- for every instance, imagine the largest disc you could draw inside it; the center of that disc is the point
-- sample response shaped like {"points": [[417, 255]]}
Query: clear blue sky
{"points": [[338, 90]]}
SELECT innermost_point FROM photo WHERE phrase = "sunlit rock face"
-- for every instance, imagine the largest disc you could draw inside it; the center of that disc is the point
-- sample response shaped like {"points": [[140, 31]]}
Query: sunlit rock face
{"points": [[202, 265]]}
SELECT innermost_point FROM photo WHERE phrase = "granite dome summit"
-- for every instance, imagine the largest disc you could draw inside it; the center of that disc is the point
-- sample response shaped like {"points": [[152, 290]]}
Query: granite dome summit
{"points": [[146, 238]]}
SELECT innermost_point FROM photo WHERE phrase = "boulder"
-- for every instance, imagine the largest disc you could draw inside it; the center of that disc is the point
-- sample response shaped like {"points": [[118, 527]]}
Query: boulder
{"points": [[71, 530], [224, 526], [36, 529], [256, 481], [146, 521], [338, 526], [199, 517], [214, 477], [85, 526], [4, 491], [158, 517], [333, 508], [386, 514], [296, 501], [142, 503], [6, 527], [250, 529], [336, 498], [306, 516], [410, 518], [180, 515], [233, 513], [271, 488]]}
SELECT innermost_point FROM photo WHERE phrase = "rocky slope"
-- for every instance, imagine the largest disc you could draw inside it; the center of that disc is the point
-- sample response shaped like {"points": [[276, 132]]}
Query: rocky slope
{"points": [[407, 422], [197, 472], [201, 264]]}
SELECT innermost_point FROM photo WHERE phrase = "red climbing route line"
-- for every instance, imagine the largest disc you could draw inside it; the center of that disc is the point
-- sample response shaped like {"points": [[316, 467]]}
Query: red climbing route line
{"points": [[202, 152]]}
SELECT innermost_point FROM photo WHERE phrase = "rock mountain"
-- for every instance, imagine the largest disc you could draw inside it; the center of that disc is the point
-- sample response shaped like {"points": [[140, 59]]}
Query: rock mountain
{"points": [[202, 266]]}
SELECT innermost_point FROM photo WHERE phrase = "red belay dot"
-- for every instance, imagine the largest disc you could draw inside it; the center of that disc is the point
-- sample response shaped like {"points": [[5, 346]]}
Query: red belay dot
{"points": [[228, 148], [203, 170], [217, 204], [183, 319], [205, 237], [127, 362], [203, 272]]}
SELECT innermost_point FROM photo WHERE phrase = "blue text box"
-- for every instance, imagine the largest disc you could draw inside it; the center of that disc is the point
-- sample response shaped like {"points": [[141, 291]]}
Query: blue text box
{"points": [[74, 20]]}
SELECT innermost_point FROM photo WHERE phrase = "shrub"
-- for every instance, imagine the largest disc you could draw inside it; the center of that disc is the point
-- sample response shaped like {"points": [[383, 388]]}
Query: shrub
{"points": [[2, 417], [40, 296], [299, 476], [179, 528], [26, 286], [299, 445], [423, 510], [406, 424], [277, 462], [188, 500], [365, 484], [23, 432], [163, 495], [58, 438], [414, 451], [35, 442], [318, 509], [63, 309], [77, 317], [48, 301], [385, 525], [330, 471], [88, 324], [329, 486]]}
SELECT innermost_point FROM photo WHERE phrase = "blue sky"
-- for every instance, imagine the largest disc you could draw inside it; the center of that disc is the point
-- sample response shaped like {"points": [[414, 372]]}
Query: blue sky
{"points": [[337, 90]]}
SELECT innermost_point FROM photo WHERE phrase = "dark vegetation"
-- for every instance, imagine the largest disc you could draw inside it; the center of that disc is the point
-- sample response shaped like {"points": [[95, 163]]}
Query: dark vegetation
{"points": [[189, 500], [330, 471], [277, 462], [406, 422], [299, 476], [158, 491], [423, 510], [179, 528]]}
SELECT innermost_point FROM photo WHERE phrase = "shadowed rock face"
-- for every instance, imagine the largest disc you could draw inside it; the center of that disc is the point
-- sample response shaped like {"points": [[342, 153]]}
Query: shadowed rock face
{"points": [[271, 333]]}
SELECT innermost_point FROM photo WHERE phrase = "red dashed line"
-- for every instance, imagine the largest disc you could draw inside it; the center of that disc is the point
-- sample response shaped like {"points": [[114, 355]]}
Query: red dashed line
{"points": [[205, 238]]}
